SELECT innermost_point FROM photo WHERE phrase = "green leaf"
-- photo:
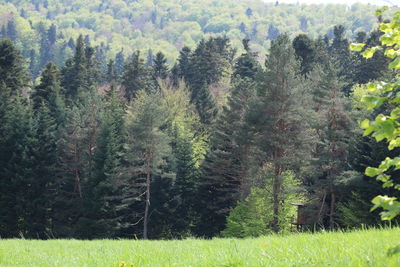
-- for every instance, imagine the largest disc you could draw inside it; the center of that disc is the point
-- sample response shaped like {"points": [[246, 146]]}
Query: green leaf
{"points": [[395, 64], [369, 52], [394, 143], [373, 101], [372, 172], [364, 124], [372, 87], [357, 47]]}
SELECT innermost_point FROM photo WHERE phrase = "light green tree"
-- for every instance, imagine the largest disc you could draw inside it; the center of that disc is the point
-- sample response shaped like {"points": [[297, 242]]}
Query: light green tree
{"points": [[386, 125]]}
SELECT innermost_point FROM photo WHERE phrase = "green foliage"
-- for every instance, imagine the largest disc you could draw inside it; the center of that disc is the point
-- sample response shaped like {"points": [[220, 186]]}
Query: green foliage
{"points": [[385, 126], [147, 156], [250, 217], [254, 216], [12, 69], [135, 76]]}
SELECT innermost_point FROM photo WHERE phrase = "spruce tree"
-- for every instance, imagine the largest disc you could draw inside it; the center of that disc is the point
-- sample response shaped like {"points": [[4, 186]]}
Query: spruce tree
{"points": [[119, 63], [101, 194], [246, 65], [135, 76], [12, 30], [12, 67], [48, 91], [188, 142], [226, 167], [19, 185], [159, 67], [305, 52]]}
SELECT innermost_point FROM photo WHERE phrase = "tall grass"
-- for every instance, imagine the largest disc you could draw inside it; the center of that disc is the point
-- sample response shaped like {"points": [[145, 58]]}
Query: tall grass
{"points": [[357, 248]]}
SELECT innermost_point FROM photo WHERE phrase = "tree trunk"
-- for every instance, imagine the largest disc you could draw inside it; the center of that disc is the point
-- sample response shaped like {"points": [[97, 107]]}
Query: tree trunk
{"points": [[147, 206], [332, 210], [275, 193]]}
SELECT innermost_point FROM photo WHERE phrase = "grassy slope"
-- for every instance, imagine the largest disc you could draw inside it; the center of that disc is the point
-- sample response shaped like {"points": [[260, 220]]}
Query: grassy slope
{"points": [[360, 248]]}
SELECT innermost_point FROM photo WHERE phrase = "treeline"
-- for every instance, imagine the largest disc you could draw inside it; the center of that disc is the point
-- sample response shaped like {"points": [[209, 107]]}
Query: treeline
{"points": [[45, 30], [216, 144]]}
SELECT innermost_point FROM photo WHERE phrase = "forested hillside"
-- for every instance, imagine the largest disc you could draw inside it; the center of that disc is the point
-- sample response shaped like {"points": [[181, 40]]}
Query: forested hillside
{"points": [[45, 30], [220, 142]]}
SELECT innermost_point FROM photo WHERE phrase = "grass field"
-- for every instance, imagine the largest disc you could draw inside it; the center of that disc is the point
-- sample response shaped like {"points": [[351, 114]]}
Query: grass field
{"points": [[359, 248]]}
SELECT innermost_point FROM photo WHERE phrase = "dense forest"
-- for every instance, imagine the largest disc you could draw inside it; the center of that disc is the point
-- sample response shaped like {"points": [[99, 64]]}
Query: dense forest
{"points": [[101, 141], [46, 30]]}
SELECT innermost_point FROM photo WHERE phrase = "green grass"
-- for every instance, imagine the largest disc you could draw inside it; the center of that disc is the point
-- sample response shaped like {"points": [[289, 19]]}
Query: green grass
{"points": [[358, 248]]}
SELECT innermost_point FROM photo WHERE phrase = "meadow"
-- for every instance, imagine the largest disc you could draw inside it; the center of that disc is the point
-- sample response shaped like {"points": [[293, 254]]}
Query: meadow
{"points": [[357, 248]]}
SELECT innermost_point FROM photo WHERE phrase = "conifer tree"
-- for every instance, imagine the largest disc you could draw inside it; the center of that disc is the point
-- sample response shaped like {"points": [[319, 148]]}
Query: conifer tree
{"points": [[48, 91], [189, 143], [12, 67], [76, 165], [135, 76], [12, 30], [225, 170], [18, 183], [246, 65], [111, 74], [100, 214], [283, 133], [333, 132], [119, 63], [184, 63], [159, 66], [305, 52], [147, 149]]}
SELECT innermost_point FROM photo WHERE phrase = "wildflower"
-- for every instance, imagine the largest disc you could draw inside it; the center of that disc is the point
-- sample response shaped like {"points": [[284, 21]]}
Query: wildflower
{"points": [[122, 264]]}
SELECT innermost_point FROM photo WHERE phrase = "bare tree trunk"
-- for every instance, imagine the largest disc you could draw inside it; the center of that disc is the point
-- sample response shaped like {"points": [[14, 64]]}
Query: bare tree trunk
{"points": [[276, 187], [147, 206], [275, 193], [321, 208], [332, 210], [77, 172]]}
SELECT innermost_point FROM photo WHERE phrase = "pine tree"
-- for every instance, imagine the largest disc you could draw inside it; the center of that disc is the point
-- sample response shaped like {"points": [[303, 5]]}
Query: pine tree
{"points": [[333, 130], [283, 132], [147, 149]]}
